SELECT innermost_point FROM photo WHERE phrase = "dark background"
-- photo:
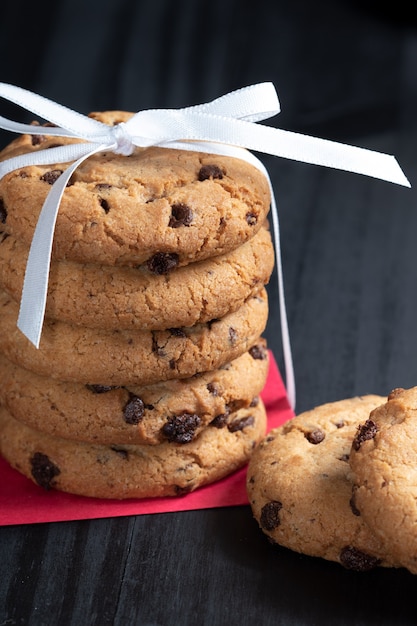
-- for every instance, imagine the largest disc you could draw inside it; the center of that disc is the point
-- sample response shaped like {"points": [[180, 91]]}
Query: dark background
{"points": [[345, 71]]}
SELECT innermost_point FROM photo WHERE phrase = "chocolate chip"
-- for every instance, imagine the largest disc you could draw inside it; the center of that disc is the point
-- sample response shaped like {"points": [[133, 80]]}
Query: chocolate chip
{"points": [[182, 491], [104, 205], [255, 401], [103, 186], [344, 457], [159, 350], [100, 388], [251, 218], [220, 420], [37, 139], [340, 424], [353, 506], [258, 352], [133, 410], [240, 424], [172, 363], [356, 560], [162, 262], [210, 171], [43, 470], [51, 176], [181, 215], [3, 211], [232, 336], [177, 332], [270, 515], [315, 436], [213, 388], [181, 428], [365, 431]]}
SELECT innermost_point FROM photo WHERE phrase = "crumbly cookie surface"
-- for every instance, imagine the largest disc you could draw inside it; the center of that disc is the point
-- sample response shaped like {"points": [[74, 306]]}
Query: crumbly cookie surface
{"points": [[299, 488], [132, 357], [160, 206], [131, 471], [108, 297], [174, 411], [384, 464]]}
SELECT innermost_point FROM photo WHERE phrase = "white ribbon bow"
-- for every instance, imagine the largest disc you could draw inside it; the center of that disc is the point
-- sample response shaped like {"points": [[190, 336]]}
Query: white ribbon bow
{"points": [[224, 126]]}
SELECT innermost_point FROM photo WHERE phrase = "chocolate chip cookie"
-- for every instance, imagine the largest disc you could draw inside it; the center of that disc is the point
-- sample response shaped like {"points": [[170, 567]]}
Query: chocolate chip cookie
{"points": [[384, 464], [174, 411], [299, 488], [158, 206], [132, 357], [106, 297], [115, 471]]}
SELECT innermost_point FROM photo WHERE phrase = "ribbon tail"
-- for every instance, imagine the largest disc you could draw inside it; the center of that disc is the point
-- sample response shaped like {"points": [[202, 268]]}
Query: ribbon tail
{"points": [[285, 334], [35, 285]]}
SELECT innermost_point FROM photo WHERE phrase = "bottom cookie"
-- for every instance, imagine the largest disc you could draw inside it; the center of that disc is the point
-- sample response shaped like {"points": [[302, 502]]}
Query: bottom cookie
{"points": [[300, 491], [132, 471]]}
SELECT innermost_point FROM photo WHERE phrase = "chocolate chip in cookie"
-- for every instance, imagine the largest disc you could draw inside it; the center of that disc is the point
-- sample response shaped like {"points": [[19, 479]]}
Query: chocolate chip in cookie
{"points": [[181, 215], [162, 262], [356, 560], [43, 470], [270, 518], [365, 432], [133, 410], [181, 428], [210, 171], [51, 176], [3, 211]]}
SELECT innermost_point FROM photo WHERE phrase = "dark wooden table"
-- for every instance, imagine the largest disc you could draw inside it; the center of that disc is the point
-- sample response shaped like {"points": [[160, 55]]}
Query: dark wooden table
{"points": [[343, 70]]}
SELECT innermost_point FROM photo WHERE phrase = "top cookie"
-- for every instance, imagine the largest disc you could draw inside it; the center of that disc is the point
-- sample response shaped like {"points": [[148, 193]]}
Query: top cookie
{"points": [[299, 488], [163, 207], [384, 462]]}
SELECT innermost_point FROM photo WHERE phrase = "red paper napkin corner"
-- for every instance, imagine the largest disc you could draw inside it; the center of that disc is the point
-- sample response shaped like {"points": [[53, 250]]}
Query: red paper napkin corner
{"points": [[23, 502]]}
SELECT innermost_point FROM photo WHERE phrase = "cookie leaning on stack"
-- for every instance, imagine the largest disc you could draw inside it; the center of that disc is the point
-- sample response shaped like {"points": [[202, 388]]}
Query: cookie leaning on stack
{"points": [[384, 464], [151, 360]]}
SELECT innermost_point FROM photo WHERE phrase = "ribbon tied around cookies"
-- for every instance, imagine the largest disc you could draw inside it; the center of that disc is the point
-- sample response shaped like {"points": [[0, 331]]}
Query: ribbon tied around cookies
{"points": [[227, 126]]}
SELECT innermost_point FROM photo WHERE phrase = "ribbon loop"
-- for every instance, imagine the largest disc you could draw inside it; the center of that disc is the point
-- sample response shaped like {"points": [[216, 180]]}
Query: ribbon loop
{"points": [[224, 126]]}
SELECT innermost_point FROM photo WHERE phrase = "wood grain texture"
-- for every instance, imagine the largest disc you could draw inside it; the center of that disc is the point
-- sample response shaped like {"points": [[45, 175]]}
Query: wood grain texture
{"points": [[343, 71]]}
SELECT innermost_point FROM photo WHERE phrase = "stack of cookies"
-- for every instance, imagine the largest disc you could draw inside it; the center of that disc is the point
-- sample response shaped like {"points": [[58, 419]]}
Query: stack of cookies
{"points": [[340, 482], [147, 379]]}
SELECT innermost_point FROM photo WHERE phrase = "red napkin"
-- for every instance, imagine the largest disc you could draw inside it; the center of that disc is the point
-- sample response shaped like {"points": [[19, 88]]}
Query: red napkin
{"points": [[23, 502]]}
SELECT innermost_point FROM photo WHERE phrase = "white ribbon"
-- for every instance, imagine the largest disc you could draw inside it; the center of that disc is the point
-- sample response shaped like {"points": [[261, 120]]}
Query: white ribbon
{"points": [[224, 126]]}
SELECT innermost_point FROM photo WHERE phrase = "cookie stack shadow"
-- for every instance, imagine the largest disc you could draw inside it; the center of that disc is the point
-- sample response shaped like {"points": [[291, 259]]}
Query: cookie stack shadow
{"points": [[148, 376]]}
